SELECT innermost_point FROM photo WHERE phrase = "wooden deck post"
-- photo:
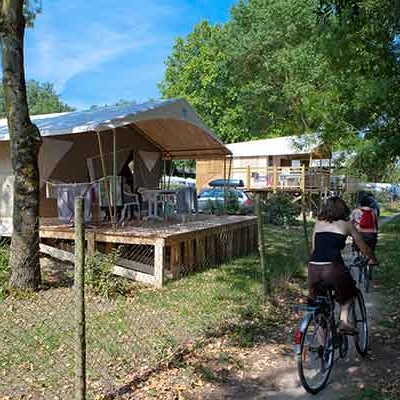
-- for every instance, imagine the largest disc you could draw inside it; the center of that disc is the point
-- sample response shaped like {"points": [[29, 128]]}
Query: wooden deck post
{"points": [[159, 262], [201, 252], [275, 178], [212, 249], [229, 238], [248, 177], [191, 260], [303, 179], [91, 243], [175, 260]]}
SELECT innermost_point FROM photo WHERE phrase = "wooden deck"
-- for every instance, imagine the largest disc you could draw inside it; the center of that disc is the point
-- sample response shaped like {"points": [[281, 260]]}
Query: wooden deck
{"points": [[290, 179], [152, 252]]}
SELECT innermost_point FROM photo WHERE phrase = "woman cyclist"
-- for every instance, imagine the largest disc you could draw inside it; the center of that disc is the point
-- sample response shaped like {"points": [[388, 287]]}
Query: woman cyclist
{"points": [[326, 263], [365, 220]]}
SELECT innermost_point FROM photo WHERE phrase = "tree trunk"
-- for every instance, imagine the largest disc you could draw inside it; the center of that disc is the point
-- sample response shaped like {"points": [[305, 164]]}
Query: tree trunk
{"points": [[25, 143]]}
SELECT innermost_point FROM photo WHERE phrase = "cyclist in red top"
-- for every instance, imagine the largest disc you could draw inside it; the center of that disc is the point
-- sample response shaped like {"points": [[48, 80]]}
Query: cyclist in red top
{"points": [[365, 220]]}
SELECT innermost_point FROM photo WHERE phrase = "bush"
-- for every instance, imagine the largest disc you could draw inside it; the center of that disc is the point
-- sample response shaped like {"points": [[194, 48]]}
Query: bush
{"points": [[99, 277], [280, 210], [232, 203], [214, 207], [4, 271]]}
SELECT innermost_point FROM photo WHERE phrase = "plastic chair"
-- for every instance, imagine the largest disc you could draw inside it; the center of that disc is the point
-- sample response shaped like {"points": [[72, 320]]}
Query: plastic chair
{"points": [[128, 211]]}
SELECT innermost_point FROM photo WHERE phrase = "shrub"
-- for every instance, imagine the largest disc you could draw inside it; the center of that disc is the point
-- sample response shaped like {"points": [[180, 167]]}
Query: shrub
{"points": [[99, 277], [4, 271], [232, 203], [280, 210]]}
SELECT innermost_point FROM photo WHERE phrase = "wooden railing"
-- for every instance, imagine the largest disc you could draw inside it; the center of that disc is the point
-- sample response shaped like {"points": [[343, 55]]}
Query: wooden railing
{"points": [[284, 178]]}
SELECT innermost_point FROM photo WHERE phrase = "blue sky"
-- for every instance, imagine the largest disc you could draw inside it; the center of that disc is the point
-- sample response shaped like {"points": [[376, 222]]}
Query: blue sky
{"points": [[99, 51]]}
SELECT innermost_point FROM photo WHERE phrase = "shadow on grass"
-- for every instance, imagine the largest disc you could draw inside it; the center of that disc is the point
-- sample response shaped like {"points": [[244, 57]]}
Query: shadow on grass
{"points": [[56, 274]]}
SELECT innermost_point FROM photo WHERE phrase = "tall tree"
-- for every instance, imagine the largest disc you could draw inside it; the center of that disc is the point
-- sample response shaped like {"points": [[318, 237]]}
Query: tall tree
{"points": [[363, 49], [197, 70], [272, 70], [25, 143], [42, 99]]}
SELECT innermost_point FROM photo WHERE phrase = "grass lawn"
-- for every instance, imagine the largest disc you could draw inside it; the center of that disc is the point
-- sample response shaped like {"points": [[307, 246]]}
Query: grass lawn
{"points": [[388, 273], [386, 335], [130, 333], [388, 209]]}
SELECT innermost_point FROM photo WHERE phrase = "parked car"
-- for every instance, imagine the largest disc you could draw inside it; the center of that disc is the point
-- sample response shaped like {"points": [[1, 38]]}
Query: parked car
{"points": [[235, 183], [211, 200]]}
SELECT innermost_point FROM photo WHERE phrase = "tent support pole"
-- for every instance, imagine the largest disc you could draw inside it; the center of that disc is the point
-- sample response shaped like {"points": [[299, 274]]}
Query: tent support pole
{"points": [[115, 178], [230, 169], [225, 188], [164, 179], [169, 174], [103, 166]]}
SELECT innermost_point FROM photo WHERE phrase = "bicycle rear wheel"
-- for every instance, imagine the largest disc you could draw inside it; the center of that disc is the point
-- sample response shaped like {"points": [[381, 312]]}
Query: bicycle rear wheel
{"points": [[315, 361], [359, 315]]}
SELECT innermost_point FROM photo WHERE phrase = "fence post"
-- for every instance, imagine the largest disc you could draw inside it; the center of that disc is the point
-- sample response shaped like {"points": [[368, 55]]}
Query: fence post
{"points": [[264, 267], [303, 211], [80, 344], [159, 248]]}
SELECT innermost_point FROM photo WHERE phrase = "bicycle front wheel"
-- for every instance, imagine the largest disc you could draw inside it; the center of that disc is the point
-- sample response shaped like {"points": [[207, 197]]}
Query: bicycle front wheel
{"points": [[315, 361], [359, 315]]}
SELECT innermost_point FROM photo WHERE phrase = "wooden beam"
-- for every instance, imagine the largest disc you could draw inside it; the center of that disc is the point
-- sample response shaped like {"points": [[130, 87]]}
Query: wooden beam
{"points": [[57, 253], [133, 275], [56, 234], [134, 265], [123, 239]]}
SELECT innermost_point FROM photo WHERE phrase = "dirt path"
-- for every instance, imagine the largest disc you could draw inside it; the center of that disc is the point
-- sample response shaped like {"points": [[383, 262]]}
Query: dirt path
{"points": [[272, 374]]}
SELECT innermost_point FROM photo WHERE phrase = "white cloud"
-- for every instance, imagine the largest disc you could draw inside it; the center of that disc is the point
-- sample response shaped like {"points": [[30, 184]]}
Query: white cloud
{"points": [[59, 56]]}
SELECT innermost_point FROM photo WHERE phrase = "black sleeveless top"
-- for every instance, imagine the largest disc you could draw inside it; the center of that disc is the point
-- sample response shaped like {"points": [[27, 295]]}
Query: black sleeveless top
{"points": [[328, 247]]}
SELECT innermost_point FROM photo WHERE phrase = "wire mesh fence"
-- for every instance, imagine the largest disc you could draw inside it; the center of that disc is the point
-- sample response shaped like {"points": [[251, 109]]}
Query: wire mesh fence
{"points": [[211, 278], [36, 330]]}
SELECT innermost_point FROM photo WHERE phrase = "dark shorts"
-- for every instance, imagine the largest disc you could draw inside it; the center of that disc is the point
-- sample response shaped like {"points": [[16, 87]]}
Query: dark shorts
{"points": [[371, 239], [335, 275]]}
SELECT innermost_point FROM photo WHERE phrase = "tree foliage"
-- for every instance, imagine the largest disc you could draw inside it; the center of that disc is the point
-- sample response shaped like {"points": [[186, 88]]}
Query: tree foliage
{"points": [[42, 99], [295, 66]]}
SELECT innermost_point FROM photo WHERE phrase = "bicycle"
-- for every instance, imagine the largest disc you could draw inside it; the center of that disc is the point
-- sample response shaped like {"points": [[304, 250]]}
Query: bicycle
{"points": [[319, 336], [364, 270]]}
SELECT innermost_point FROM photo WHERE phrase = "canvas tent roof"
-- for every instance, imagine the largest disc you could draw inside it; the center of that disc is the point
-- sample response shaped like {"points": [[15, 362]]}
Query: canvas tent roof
{"points": [[172, 125], [286, 145]]}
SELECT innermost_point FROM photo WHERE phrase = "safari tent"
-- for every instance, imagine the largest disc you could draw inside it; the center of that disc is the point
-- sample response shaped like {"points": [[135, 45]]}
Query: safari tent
{"points": [[83, 146], [288, 163]]}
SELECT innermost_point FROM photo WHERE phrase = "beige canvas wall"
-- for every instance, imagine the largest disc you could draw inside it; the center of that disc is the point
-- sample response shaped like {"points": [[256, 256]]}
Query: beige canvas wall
{"points": [[64, 159]]}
